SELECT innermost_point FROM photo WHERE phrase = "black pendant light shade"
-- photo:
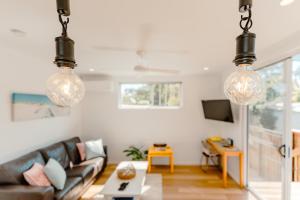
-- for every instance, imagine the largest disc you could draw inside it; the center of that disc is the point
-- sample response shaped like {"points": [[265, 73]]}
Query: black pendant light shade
{"points": [[64, 45], [245, 43], [63, 7], [64, 52], [245, 49]]}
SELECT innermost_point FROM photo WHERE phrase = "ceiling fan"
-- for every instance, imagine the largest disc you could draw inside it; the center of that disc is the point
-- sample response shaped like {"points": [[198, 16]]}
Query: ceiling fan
{"points": [[145, 32], [144, 36], [143, 66]]}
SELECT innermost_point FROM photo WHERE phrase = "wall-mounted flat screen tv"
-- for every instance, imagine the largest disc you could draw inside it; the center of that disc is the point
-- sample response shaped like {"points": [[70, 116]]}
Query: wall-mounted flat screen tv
{"points": [[217, 110]]}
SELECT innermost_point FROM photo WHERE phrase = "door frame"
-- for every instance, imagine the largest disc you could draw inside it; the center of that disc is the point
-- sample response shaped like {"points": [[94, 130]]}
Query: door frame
{"points": [[287, 137]]}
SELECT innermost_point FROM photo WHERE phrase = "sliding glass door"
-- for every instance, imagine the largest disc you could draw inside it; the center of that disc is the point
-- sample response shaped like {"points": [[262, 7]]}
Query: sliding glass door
{"points": [[274, 134], [266, 136]]}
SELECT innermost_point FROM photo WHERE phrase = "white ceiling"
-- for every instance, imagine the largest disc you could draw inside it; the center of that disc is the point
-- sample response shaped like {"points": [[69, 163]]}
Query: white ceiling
{"points": [[186, 35]]}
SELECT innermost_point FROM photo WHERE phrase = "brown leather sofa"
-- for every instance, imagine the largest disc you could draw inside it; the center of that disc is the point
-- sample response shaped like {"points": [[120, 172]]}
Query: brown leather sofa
{"points": [[14, 187]]}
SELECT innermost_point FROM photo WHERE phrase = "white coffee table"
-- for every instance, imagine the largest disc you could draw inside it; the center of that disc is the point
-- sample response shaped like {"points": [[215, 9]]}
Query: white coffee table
{"points": [[135, 186]]}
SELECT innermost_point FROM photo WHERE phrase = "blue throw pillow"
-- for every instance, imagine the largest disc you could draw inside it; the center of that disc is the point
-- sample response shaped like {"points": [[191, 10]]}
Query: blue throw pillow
{"points": [[56, 174]]}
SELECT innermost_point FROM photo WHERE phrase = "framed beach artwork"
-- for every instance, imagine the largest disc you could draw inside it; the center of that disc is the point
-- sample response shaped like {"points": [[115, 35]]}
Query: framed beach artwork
{"points": [[35, 106]]}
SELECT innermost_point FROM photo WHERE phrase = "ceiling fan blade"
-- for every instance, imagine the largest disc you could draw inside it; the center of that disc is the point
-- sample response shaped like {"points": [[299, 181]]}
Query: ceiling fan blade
{"points": [[141, 68], [95, 77], [168, 71]]}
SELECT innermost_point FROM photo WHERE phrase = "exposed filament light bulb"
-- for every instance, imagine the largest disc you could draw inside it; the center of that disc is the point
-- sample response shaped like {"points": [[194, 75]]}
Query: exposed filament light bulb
{"points": [[244, 86], [65, 88]]}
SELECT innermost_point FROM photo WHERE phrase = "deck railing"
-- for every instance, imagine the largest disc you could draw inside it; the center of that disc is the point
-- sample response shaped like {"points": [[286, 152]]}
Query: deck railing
{"points": [[265, 161], [296, 155]]}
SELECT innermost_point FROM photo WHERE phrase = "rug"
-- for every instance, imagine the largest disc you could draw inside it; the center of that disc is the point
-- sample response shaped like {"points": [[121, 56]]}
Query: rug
{"points": [[151, 191]]}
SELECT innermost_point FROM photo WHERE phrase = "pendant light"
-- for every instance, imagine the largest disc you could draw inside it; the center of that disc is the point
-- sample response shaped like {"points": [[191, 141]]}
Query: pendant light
{"points": [[64, 88], [244, 86]]}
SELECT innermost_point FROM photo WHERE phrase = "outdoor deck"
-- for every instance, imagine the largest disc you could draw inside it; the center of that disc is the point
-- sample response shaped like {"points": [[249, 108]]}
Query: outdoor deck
{"points": [[265, 163], [272, 190]]}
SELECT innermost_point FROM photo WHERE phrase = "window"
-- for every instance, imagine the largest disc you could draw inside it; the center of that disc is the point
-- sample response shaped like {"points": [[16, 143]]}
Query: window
{"points": [[268, 112], [150, 95]]}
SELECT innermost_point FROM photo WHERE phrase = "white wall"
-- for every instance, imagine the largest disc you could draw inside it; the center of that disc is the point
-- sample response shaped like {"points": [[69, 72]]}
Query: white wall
{"points": [[183, 128], [20, 73]]}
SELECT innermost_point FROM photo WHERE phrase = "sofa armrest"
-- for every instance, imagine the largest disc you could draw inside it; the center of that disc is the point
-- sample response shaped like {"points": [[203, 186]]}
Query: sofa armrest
{"points": [[24, 192], [105, 160], [105, 150]]}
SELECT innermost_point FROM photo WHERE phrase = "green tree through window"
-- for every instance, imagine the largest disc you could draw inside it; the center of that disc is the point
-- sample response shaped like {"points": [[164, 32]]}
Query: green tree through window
{"points": [[150, 94]]}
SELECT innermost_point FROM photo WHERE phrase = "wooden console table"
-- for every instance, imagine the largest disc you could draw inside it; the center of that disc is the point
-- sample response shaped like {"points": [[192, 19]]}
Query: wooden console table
{"points": [[153, 152], [226, 152]]}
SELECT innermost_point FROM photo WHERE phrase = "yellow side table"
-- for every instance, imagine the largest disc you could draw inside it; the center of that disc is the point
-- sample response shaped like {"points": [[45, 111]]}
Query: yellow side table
{"points": [[154, 152]]}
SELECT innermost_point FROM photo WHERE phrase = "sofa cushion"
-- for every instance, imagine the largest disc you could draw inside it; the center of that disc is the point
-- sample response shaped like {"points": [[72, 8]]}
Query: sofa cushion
{"points": [[72, 149], [36, 176], [55, 173], [72, 188], [58, 152], [85, 172], [94, 149], [11, 173], [81, 149], [97, 164]]}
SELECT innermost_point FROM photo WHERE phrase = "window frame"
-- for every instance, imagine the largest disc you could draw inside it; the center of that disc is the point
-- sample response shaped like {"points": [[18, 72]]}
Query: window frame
{"points": [[150, 107]]}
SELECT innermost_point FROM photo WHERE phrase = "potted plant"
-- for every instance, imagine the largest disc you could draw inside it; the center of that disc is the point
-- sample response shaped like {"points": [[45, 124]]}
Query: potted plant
{"points": [[135, 153]]}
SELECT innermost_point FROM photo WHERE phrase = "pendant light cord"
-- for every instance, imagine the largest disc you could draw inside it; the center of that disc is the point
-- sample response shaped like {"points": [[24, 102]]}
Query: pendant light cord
{"points": [[248, 21], [64, 24]]}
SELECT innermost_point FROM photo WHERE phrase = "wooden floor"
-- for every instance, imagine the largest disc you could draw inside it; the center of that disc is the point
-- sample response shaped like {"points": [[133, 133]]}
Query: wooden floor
{"points": [[191, 183]]}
